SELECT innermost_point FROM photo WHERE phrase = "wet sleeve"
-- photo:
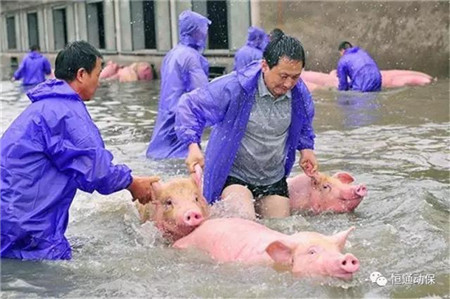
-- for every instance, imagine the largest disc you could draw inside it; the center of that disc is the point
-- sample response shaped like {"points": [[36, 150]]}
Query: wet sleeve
{"points": [[342, 76], [307, 135], [196, 75], [199, 109], [76, 148], [18, 74], [47, 67]]}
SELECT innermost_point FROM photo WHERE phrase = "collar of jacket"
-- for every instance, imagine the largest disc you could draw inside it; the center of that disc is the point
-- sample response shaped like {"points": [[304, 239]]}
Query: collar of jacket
{"points": [[53, 89]]}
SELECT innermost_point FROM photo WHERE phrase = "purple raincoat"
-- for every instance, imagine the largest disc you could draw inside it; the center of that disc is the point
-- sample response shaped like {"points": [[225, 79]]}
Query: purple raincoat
{"points": [[256, 43], [183, 69], [226, 103], [52, 149], [33, 69], [361, 69]]}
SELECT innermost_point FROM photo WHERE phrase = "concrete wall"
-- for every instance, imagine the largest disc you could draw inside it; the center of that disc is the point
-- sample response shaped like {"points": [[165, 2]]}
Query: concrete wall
{"points": [[399, 35]]}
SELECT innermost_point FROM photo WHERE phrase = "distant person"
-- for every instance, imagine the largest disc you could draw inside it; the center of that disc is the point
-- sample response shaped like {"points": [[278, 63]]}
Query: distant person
{"points": [[262, 115], [257, 40], [52, 149], [184, 68], [356, 70], [33, 68]]}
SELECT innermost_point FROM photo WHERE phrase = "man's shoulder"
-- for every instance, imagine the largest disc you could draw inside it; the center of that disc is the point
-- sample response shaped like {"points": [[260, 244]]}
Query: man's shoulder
{"points": [[229, 80]]}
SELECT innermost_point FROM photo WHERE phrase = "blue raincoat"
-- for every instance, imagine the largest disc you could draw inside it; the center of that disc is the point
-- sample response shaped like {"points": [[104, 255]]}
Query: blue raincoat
{"points": [[256, 43], [52, 149], [183, 69], [361, 69], [33, 69], [226, 103]]}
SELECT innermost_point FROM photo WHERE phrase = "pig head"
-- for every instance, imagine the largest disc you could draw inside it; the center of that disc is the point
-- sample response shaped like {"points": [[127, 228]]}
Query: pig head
{"points": [[305, 254], [324, 193], [143, 70], [178, 207]]}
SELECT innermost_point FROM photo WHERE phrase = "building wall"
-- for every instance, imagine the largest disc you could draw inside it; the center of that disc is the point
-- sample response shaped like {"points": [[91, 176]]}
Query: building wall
{"points": [[81, 25], [398, 34]]}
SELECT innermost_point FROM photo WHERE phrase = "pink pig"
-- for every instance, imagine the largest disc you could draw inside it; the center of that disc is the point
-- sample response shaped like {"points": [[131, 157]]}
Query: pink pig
{"points": [[306, 254], [324, 193], [127, 74], [323, 80], [110, 70], [143, 70], [178, 208], [398, 78]]}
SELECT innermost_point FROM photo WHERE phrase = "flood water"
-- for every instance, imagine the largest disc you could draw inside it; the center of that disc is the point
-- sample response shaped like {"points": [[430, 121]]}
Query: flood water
{"points": [[396, 142]]}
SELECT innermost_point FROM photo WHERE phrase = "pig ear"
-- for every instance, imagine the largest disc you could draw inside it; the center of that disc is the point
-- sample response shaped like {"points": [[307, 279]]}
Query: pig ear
{"points": [[280, 252], [198, 176], [344, 177], [341, 237], [157, 187]]}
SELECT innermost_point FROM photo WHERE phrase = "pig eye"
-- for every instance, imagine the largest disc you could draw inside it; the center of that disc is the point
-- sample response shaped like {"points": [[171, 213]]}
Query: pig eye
{"points": [[326, 187], [196, 198], [168, 202], [312, 251]]}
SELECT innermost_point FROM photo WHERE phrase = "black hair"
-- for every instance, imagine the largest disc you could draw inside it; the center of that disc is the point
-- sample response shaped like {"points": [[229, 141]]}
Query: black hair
{"points": [[344, 45], [276, 33], [35, 48], [282, 45], [74, 56]]}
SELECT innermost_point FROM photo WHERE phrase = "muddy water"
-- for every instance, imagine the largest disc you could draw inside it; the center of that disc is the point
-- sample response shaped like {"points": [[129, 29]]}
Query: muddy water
{"points": [[396, 142]]}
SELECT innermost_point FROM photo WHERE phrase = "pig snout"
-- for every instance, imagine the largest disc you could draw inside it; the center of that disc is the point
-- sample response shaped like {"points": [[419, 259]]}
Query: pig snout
{"points": [[349, 263], [193, 218], [361, 191]]}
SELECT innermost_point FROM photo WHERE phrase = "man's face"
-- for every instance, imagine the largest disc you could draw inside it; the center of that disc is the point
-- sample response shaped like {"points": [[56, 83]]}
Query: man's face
{"points": [[90, 82], [282, 77]]}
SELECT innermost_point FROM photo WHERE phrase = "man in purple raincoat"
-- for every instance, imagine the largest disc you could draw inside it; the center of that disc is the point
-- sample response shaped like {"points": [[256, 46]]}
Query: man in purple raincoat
{"points": [[357, 65], [33, 68], [49, 151], [184, 68], [261, 115], [256, 43]]}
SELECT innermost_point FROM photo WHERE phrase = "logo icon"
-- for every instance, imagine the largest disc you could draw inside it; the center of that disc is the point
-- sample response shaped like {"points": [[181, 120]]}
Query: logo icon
{"points": [[378, 278]]}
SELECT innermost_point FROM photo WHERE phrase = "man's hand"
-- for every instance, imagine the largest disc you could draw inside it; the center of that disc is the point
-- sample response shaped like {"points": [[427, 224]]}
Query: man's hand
{"points": [[195, 156], [308, 162], [141, 188]]}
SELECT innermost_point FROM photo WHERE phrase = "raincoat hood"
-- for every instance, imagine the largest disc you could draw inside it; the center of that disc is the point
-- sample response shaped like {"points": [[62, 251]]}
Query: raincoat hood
{"points": [[193, 28], [34, 55], [257, 38], [52, 88]]}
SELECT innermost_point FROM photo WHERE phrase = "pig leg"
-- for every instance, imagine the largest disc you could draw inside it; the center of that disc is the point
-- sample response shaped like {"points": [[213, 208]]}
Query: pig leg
{"points": [[238, 200], [273, 206]]}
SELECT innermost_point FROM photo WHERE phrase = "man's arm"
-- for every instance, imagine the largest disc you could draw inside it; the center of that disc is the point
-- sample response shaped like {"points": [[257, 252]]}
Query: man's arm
{"points": [[197, 109], [201, 108], [196, 72], [307, 135], [47, 67], [18, 74], [342, 74], [307, 159], [75, 148]]}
